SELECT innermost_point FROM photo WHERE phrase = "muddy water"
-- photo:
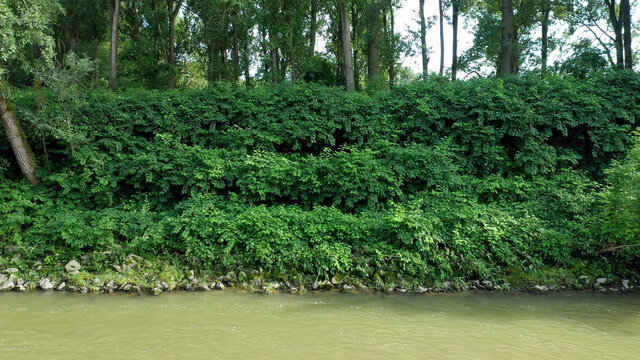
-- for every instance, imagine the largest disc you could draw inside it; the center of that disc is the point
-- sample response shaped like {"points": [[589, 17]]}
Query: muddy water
{"points": [[225, 325]]}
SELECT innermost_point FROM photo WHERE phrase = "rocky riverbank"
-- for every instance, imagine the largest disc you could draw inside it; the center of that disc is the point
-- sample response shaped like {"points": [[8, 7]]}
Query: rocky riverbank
{"points": [[138, 276]]}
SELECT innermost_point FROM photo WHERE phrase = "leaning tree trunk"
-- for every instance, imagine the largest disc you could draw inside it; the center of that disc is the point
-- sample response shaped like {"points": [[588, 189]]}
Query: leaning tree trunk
{"points": [[506, 50], [346, 45], [423, 41], [616, 24], [113, 54], [18, 141]]}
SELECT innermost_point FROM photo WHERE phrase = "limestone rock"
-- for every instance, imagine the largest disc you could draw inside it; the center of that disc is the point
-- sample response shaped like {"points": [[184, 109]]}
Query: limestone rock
{"points": [[46, 284], [73, 267]]}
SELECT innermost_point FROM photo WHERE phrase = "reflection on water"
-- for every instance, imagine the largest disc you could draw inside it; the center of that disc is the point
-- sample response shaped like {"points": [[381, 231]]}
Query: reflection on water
{"points": [[319, 326]]}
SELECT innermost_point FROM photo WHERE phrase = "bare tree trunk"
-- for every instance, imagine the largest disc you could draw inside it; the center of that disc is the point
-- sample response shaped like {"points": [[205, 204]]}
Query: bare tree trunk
{"points": [[506, 50], [113, 54], [313, 26], [374, 19], [171, 57], [545, 38], [292, 58], [346, 45], [355, 24], [625, 18], [18, 141], [616, 24], [392, 61], [136, 37], [236, 49], [423, 41], [455, 9], [441, 11]]}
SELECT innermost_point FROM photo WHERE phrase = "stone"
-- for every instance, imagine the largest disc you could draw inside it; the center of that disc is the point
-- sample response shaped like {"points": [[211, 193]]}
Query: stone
{"points": [[46, 284], [3, 278], [84, 290], [540, 288], [625, 284], [135, 289], [446, 285], [419, 290], [62, 287], [219, 286], [487, 284], [402, 290], [37, 265], [293, 290], [347, 288], [315, 286], [8, 284], [156, 291], [165, 285], [601, 281], [11, 270], [202, 287], [73, 267]]}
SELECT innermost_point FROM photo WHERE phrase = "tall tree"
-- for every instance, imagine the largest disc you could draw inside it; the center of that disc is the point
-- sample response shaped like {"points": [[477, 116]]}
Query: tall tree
{"points": [[616, 24], [423, 40], [625, 16], [374, 21], [313, 26], [455, 11], [174, 9], [506, 50], [441, 21], [346, 45], [113, 52], [546, 10]]}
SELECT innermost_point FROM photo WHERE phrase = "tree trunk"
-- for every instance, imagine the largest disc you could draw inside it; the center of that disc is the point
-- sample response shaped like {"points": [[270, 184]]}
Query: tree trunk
{"points": [[545, 38], [441, 11], [455, 9], [355, 24], [136, 37], [171, 57], [392, 40], [236, 49], [292, 58], [346, 45], [423, 40], [113, 53], [506, 50], [18, 141], [374, 19], [625, 17], [313, 26], [616, 24]]}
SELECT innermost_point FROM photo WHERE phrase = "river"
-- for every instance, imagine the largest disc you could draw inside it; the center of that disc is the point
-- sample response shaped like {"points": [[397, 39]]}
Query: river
{"points": [[230, 324]]}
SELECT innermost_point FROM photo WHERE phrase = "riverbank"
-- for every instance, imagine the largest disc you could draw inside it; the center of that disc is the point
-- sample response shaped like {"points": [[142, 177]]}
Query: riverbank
{"points": [[138, 276]]}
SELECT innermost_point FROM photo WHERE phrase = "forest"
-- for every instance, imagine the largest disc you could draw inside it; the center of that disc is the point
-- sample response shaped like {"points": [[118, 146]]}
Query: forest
{"points": [[286, 140]]}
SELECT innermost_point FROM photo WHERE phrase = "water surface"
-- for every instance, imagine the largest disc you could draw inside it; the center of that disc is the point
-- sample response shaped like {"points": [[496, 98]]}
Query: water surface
{"points": [[228, 324]]}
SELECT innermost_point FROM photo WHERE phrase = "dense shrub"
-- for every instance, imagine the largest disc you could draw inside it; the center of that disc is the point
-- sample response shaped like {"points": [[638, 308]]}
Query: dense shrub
{"points": [[431, 181]]}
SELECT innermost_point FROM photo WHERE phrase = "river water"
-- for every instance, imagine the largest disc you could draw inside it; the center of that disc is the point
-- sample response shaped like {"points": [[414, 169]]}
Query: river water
{"points": [[235, 325]]}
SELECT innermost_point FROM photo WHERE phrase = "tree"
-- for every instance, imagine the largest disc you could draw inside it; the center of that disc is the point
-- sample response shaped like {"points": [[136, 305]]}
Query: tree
{"points": [[113, 54], [506, 64], [346, 45], [455, 11], [174, 10], [423, 40], [24, 27], [441, 21]]}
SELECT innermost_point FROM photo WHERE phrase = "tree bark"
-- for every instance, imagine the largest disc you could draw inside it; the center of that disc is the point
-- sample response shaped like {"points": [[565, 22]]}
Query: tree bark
{"points": [[313, 26], [423, 40], [346, 45], [374, 19], [616, 24], [236, 48], [355, 24], [292, 58], [441, 11], [18, 141], [545, 38], [455, 9], [506, 50], [392, 41], [113, 53], [171, 57], [625, 16]]}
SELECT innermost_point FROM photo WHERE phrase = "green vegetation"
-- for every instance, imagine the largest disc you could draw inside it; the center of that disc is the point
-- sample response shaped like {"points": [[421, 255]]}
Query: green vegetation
{"points": [[508, 178]]}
